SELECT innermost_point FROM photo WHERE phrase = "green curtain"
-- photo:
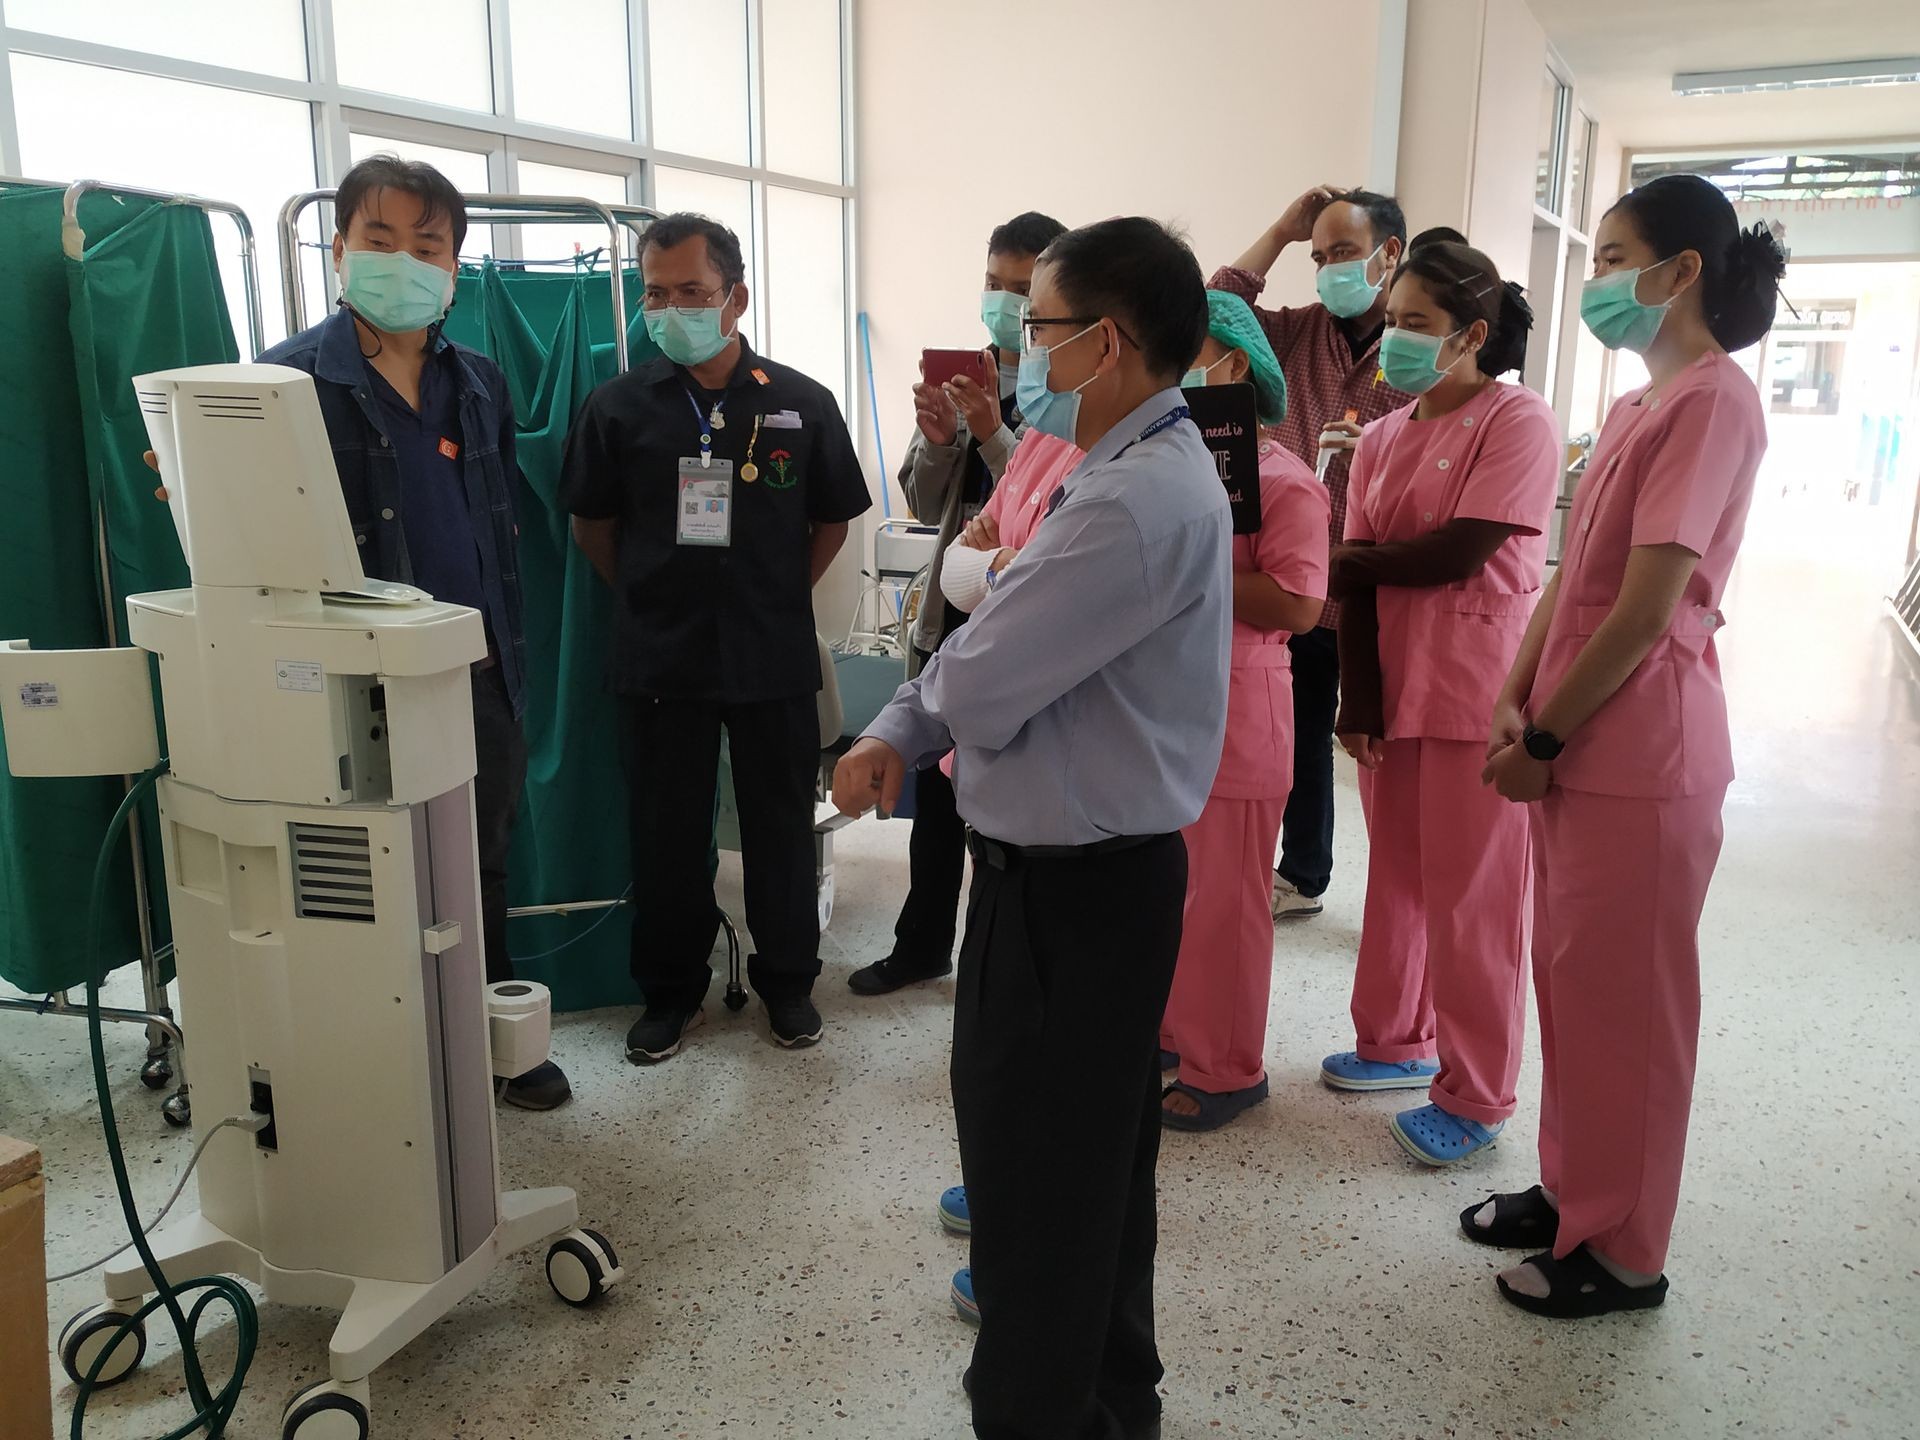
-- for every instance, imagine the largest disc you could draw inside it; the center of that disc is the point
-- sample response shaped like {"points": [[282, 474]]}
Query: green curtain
{"points": [[571, 842], [144, 295]]}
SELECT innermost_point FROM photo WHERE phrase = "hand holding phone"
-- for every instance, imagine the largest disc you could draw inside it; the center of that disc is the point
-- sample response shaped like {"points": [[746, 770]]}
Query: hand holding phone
{"points": [[939, 367]]}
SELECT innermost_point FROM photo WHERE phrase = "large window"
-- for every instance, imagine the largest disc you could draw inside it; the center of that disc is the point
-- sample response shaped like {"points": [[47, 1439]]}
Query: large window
{"points": [[666, 103]]}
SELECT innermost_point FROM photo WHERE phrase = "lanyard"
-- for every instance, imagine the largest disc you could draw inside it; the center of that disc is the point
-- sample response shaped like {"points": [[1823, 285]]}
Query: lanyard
{"points": [[1167, 421], [708, 424]]}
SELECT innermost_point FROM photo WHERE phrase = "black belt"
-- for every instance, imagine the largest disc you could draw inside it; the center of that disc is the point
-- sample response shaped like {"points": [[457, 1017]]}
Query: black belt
{"points": [[1003, 856]]}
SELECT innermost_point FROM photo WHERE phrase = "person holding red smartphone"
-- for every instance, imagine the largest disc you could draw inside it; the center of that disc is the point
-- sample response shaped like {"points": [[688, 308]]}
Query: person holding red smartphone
{"points": [[965, 437]]}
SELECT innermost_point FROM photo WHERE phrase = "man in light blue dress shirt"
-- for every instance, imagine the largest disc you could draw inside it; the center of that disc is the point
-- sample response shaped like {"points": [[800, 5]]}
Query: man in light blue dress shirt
{"points": [[1086, 704]]}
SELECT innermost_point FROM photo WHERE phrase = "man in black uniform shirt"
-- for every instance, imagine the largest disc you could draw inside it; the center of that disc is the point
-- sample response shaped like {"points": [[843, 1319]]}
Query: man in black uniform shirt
{"points": [[711, 488]]}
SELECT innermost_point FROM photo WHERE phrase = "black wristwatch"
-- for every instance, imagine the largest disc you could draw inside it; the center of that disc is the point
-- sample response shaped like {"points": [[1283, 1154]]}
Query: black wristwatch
{"points": [[1542, 745]]}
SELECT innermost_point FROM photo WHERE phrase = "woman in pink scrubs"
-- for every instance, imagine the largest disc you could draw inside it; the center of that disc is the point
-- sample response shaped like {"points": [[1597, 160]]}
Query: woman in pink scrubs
{"points": [[1215, 1028], [1448, 507], [1613, 727]]}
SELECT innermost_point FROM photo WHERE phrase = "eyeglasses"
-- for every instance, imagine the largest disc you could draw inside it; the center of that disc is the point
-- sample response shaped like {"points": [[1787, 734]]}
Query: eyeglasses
{"points": [[1033, 327], [661, 300]]}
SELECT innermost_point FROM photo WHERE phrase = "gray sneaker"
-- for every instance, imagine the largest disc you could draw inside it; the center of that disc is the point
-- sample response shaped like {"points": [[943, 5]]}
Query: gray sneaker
{"points": [[657, 1034], [1290, 904]]}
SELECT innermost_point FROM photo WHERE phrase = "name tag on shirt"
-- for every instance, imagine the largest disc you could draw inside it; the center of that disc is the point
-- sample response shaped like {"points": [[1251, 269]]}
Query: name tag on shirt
{"points": [[706, 502], [784, 420]]}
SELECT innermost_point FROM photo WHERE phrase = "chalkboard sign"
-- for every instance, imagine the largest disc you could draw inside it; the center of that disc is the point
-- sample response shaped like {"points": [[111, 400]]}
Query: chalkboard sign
{"points": [[1229, 421]]}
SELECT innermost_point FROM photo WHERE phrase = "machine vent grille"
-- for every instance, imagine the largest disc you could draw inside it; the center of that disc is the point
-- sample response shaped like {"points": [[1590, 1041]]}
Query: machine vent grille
{"points": [[230, 407], [154, 402], [332, 873]]}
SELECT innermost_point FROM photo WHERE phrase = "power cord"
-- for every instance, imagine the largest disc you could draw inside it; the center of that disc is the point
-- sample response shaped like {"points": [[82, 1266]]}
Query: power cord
{"points": [[251, 1123], [212, 1412]]}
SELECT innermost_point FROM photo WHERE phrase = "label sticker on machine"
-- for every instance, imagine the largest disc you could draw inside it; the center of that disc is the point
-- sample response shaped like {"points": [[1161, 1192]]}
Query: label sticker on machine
{"points": [[39, 695], [305, 676]]}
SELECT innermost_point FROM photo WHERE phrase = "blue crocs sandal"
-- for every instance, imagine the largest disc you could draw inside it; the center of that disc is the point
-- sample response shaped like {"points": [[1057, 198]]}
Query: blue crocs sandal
{"points": [[954, 1218], [1347, 1071], [1216, 1108], [1434, 1137], [1169, 1062], [964, 1305]]}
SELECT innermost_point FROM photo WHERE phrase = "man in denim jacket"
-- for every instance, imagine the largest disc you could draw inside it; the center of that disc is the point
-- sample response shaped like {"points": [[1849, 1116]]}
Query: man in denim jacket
{"points": [[423, 439]]}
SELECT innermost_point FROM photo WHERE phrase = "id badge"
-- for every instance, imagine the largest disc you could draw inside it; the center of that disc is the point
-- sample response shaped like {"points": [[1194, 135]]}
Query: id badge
{"points": [[706, 502]]}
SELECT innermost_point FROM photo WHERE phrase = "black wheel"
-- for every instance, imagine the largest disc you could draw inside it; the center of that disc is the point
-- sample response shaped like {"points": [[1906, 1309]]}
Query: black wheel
{"points": [[322, 1412], [606, 1246], [94, 1330], [178, 1110], [157, 1073], [736, 997], [576, 1272]]}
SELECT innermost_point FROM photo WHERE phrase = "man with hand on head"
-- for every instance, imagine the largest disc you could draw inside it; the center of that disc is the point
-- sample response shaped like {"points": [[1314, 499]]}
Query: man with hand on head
{"points": [[1330, 352], [1085, 701], [423, 439], [964, 439], [711, 488]]}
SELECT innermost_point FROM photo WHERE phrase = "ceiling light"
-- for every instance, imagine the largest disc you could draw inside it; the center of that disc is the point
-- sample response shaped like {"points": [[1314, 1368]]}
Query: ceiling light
{"points": [[1901, 70]]}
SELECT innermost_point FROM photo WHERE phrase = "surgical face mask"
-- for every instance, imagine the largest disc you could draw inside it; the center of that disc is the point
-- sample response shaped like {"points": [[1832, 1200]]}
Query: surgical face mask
{"points": [[1196, 378], [1004, 313], [1051, 412], [688, 336], [1610, 306], [1344, 287], [394, 291], [1411, 362]]}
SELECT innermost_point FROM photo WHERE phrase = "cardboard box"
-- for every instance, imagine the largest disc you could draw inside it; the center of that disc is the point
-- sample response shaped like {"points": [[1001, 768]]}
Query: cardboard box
{"points": [[28, 1413]]}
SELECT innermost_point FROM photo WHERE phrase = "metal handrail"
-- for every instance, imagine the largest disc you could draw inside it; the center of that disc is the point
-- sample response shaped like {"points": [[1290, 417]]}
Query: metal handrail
{"points": [[486, 209]]}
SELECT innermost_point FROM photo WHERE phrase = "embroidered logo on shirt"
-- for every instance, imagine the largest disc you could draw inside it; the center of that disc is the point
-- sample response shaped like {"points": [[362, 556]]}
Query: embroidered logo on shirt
{"points": [[449, 449], [782, 478]]}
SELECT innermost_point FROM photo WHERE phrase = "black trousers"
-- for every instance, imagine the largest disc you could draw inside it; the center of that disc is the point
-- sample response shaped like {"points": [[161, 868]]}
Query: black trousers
{"points": [[1064, 975], [936, 864], [500, 750], [1306, 831], [673, 763]]}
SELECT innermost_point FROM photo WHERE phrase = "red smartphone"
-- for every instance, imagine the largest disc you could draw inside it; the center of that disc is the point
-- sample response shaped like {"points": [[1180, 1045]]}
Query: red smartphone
{"points": [[937, 367]]}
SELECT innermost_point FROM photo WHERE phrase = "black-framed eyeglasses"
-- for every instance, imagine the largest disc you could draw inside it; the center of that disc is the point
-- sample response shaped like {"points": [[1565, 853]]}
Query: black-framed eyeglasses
{"points": [[680, 300], [1033, 326]]}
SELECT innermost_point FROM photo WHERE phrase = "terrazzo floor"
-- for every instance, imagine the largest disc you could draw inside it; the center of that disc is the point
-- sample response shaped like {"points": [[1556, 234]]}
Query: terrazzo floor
{"points": [[788, 1277]]}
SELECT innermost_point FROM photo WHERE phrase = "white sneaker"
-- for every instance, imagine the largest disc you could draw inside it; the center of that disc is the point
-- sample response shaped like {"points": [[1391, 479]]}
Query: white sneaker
{"points": [[1290, 904]]}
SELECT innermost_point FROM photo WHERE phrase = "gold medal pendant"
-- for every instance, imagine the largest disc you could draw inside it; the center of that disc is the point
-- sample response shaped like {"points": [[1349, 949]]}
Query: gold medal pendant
{"points": [[749, 472]]}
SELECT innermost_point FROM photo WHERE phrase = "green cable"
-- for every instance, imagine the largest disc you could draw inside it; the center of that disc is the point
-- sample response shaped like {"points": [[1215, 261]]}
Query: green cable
{"points": [[212, 1412]]}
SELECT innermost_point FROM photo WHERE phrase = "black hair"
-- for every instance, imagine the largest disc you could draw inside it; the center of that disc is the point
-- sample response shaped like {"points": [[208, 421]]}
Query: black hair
{"points": [[723, 246], [411, 177], [1141, 275], [1464, 283], [1437, 234], [1384, 215], [1027, 234], [1740, 270]]}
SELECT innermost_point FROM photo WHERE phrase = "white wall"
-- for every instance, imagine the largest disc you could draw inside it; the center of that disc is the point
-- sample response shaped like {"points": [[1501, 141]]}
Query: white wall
{"points": [[1214, 115]]}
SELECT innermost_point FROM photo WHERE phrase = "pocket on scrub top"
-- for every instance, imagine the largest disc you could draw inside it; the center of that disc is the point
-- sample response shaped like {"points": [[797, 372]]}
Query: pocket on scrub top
{"points": [[1253, 763], [1634, 743], [1469, 641]]}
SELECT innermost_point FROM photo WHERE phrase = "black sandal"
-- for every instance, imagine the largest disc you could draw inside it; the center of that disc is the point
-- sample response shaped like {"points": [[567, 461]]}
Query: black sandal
{"points": [[1520, 1222], [1580, 1288]]}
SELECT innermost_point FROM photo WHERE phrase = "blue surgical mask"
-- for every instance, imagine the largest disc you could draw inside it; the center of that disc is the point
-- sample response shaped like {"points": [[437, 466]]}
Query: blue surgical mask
{"points": [[1610, 305], [394, 291], [1051, 412], [1411, 362], [1004, 314], [1197, 377], [1344, 287], [688, 336]]}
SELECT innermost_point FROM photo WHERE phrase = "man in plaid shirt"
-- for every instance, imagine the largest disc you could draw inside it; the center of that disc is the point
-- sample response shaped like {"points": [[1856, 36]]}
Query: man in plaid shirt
{"points": [[1331, 355]]}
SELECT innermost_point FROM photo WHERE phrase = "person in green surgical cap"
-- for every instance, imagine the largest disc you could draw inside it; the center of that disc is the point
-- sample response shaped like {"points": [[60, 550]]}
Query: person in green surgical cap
{"points": [[961, 448]]}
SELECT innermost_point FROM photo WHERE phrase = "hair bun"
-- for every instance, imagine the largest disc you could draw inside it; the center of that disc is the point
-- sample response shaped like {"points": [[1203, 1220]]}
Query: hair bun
{"points": [[1756, 255], [1516, 315]]}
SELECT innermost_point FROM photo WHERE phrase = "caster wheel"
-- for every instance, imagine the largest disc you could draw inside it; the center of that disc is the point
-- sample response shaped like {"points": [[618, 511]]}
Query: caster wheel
{"points": [[328, 1410], [736, 999], [96, 1329], [157, 1073], [178, 1110], [582, 1267], [824, 894]]}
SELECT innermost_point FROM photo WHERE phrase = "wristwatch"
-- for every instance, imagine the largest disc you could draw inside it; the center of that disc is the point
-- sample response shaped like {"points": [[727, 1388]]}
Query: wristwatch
{"points": [[1541, 744]]}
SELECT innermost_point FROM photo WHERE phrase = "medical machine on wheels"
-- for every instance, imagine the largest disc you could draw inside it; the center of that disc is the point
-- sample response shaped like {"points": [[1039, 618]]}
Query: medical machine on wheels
{"points": [[322, 876]]}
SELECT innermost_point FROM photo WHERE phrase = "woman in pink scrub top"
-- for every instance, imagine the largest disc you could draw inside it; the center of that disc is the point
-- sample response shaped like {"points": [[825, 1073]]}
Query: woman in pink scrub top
{"points": [[1215, 1028], [1613, 728], [1447, 511]]}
